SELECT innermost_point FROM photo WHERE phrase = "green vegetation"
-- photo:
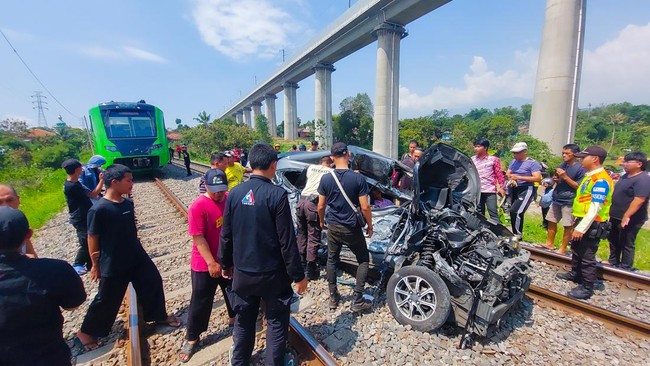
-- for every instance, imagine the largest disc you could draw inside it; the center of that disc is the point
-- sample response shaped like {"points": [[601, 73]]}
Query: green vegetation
{"points": [[535, 233], [32, 165]]}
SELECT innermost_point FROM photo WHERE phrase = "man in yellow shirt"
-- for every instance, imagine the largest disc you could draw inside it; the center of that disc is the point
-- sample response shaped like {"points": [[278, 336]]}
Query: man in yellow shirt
{"points": [[591, 209], [234, 171]]}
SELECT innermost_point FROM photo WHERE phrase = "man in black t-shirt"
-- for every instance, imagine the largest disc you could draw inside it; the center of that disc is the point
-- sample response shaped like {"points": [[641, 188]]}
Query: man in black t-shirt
{"points": [[33, 291], [78, 200], [629, 209], [118, 258], [343, 226], [567, 178], [258, 249]]}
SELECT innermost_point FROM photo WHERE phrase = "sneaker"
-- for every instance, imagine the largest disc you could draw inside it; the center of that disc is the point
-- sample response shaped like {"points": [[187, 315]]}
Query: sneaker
{"points": [[568, 276], [581, 292], [334, 301], [360, 306], [81, 270]]}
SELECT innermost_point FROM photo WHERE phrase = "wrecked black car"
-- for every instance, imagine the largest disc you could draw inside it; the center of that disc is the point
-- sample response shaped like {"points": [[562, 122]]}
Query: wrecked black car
{"points": [[447, 261]]}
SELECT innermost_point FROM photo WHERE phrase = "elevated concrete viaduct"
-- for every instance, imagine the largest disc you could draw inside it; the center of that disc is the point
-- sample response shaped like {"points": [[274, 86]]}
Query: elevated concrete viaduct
{"points": [[365, 22]]}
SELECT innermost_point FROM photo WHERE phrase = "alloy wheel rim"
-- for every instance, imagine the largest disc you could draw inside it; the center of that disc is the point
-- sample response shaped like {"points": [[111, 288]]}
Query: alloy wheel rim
{"points": [[415, 298]]}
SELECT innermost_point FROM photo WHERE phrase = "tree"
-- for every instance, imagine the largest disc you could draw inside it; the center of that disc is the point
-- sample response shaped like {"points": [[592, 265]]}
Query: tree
{"points": [[203, 118], [355, 124], [262, 129], [13, 126], [615, 119]]}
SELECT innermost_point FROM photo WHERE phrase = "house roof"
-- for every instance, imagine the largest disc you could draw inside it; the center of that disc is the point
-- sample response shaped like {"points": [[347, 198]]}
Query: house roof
{"points": [[39, 132]]}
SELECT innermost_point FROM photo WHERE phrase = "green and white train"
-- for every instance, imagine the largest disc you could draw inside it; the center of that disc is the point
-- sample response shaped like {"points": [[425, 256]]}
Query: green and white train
{"points": [[131, 134]]}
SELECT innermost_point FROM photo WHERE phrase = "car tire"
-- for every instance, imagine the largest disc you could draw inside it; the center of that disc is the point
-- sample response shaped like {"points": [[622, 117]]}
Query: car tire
{"points": [[418, 297]]}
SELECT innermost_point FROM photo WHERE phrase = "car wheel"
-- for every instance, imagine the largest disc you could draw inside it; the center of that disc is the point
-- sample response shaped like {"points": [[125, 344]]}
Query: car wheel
{"points": [[417, 296]]}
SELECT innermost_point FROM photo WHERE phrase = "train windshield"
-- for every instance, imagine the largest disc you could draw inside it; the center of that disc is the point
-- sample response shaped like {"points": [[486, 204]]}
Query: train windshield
{"points": [[133, 123]]}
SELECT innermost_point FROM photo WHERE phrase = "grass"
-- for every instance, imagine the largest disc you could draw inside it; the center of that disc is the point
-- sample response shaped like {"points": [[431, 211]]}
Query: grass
{"points": [[535, 233], [43, 203]]}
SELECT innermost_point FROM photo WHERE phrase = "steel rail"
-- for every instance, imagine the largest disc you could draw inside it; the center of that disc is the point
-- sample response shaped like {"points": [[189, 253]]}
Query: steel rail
{"points": [[605, 272], [197, 167], [133, 350], [617, 321], [308, 348]]}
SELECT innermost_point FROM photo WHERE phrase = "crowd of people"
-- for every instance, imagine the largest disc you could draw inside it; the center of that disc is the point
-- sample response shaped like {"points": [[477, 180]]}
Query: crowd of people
{"points": [[244, 241], [581, 196]]}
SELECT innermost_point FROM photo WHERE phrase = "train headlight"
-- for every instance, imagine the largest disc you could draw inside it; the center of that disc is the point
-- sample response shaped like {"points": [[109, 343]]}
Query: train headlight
{"points": [[156, 146], [111, 148]]}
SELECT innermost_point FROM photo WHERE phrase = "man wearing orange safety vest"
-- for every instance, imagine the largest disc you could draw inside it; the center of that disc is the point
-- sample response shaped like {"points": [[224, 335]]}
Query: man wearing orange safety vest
{"points": [[591, 209]]}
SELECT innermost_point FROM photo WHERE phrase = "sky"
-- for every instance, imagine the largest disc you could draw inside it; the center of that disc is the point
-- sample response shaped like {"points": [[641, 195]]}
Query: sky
{"points": [[188, 56]]}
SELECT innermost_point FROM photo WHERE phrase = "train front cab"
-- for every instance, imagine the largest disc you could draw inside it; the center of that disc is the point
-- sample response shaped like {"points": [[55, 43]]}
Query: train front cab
{"points": [[131, 134]]}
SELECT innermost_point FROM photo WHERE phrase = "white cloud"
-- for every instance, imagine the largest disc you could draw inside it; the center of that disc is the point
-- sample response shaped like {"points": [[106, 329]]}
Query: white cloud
{"points": [[143, 55], [122, 53], [245, 28], [18, 36], [617, 70], [480, 85], [613, 72]]}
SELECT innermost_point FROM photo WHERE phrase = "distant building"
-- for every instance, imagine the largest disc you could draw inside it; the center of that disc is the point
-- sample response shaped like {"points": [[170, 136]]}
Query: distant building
{"points": [[38, 132], [174, 136]]}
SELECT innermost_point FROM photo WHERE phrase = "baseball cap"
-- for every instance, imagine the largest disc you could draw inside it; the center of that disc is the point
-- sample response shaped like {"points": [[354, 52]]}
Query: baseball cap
{"points": [[96, 161], [215, 181], [593, 150], [228, 153], [519, 146], [339, 149], [70, 164], [13, 227]]}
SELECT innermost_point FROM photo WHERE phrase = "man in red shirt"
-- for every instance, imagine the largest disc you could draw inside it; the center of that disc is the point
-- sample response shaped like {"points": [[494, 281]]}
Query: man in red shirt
{"points": [[205, 218]]}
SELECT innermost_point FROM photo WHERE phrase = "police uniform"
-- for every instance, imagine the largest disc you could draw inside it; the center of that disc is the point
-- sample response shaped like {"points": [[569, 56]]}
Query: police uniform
{"points": [[595, 188], [258, 241]]}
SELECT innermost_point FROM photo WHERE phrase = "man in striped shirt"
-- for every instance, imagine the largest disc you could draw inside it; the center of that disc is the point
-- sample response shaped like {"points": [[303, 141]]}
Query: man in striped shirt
{"points": [[491, 174]]}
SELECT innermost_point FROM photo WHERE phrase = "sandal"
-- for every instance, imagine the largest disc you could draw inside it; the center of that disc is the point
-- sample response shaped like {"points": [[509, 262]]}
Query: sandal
{"points": [[187, 351], [79, 347], [171, 321]]}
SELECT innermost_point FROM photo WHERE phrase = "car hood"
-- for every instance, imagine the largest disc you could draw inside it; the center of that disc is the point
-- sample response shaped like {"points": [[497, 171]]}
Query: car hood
{"points": [[443, 175]]}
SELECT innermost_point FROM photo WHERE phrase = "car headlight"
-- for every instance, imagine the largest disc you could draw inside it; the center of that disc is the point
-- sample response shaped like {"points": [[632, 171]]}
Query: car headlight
{"points": [[111, 148]]}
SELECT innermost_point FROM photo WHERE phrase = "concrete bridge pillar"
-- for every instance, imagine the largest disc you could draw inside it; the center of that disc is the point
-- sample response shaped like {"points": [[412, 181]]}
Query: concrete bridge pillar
{"points": [[323, 105], [247, 117], [240, 116], [290, 111], [555, 102], [269, 100], [257, 110], [386, 119]]}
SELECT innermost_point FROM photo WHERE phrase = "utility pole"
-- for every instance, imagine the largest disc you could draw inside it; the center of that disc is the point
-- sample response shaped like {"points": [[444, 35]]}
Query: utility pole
{"points": [[283, 53], [40, 104]]}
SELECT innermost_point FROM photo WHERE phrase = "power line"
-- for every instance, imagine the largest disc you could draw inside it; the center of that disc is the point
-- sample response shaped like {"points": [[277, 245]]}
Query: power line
{"points": [[36, 77]]}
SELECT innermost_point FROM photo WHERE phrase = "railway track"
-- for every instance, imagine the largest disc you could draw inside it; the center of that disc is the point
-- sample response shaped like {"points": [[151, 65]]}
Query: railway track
{"points": [[630, 279], [194, 166], [309, 351]]}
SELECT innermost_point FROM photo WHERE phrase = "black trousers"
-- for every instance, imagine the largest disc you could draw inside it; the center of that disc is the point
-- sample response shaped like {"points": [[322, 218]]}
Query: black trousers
{"points": [[277, 326], [337, 236], [489, 200], [83, 257], [544, 213], [309, 230], [187, 166], [622, 244], [521, 199], [204, 288], [583, 259], [104, 307]]}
